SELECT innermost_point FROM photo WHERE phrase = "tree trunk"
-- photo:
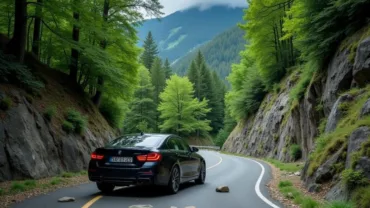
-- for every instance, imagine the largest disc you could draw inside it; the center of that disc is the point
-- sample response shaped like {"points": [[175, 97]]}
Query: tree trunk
{"points": [[73, 69], [28, 35], [99, 92], [103, 44], [37, 30], [17, 45]]}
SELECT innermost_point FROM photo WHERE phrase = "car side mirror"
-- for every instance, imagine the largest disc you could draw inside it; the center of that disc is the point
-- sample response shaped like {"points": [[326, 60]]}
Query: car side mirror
{"points": [[194, 149]]}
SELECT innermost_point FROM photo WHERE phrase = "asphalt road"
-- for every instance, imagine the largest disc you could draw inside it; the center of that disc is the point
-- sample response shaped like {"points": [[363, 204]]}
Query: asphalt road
{"points": [[246, 179]]}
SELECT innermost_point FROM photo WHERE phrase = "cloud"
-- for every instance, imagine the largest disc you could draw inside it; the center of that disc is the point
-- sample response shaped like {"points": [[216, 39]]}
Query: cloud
{"points": [[171, 6]]}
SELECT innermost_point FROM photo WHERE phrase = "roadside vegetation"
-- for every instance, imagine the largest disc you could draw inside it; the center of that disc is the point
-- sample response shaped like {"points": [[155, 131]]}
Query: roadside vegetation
{"points": [[16, 187]]}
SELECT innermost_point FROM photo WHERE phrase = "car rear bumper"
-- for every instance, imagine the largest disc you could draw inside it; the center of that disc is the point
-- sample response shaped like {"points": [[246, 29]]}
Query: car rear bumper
{"points": [[124, 177]]}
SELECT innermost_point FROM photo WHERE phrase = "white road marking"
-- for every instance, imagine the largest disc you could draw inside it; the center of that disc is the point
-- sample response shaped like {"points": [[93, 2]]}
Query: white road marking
{"points": [[257, 186], [141, 206], [219, 162]]}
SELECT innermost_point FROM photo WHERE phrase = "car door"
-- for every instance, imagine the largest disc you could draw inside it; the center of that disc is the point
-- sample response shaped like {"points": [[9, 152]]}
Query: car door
{"points": [[177, 152], [184, 159], [192, 160]]}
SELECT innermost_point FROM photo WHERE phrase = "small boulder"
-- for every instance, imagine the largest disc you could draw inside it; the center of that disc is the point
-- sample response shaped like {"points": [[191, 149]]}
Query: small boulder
{"points": [[298, 173], [66, 199], [290, 195], [222, 189]]}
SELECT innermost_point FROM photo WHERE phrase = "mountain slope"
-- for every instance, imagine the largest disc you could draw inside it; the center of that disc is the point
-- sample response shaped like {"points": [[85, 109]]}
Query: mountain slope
{"points": [[178, 33], [220, 53]]}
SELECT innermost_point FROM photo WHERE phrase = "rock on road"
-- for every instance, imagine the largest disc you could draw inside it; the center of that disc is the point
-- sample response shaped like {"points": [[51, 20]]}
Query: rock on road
{"points": [[240, 174]]}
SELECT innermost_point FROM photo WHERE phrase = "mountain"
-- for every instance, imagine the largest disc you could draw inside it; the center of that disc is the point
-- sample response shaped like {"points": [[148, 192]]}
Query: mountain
{"points": [[182, 31], [220, 53]]}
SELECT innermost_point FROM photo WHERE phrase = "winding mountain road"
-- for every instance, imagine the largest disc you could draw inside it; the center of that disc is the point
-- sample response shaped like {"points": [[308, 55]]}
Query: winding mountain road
{"points": [[246, 179]]}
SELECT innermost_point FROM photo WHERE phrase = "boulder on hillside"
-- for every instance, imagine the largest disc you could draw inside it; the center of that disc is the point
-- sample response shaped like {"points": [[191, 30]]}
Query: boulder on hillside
{"points": [[356, 139], [361, 71], [336, 113], [337, 193], [364, 165], [365, 109], [339, 78]]}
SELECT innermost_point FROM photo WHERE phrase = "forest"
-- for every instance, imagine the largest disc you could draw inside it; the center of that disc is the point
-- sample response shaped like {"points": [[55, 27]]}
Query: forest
{"points": [[285, 36], [94, 43]]}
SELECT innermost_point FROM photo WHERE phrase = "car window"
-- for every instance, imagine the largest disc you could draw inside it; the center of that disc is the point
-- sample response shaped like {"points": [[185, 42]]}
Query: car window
{"points": [[172, 144], [184, 145], [136, 141]]}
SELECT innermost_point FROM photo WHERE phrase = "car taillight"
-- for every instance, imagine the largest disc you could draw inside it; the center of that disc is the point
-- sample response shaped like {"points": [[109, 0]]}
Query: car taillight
{"points": [[95, 156], [151, 157]]}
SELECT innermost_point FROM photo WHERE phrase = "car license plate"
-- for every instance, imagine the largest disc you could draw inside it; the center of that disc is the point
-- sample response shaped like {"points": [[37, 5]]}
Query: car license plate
{"points": [[121, 159]]}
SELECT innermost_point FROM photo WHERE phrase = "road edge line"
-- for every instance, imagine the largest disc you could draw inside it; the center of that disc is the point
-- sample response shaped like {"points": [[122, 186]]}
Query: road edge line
{"points": [[258, 184], [91, 202], [217, 164]]}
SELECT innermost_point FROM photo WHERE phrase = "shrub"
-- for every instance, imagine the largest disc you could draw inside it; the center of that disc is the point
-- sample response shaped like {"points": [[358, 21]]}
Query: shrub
{"points": [[50, 112], [309, 203], [361, 197], [285, 184], [67, 126], [112, 112], [77, 120], [5, 103], [67, 175], [17, 187], [353, 179], [30, 183], [56, 181], [14, 72], [295, 152]]}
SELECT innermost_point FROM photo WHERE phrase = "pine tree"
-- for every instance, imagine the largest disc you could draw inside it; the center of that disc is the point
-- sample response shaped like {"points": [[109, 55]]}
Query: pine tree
{"points": [[193, 75], [167, 69], [150, 51], [181, 112], [142, 110], [159, 82]]}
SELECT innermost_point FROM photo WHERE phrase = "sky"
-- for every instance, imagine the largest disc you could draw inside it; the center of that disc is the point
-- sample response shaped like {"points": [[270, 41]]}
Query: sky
{"points": [[171, 6]]}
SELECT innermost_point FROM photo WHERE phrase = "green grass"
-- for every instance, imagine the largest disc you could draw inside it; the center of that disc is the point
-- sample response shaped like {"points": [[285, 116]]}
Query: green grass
{"points": [[50, 112], [338, 204], [67, 126], [30, 183], [361, 197], [307, 72], [67, 175], [289, 167], [309, 203], [5, 103], [285, 184], [56, 181], [17, 187]]}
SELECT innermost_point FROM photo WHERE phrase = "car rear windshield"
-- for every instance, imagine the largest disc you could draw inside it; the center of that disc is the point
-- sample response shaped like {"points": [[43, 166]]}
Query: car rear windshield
{"points": [[136, 141]]}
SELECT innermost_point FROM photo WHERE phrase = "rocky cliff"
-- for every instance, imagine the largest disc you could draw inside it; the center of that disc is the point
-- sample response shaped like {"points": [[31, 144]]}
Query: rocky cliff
{"points": [[329, 124], [32, 146]]}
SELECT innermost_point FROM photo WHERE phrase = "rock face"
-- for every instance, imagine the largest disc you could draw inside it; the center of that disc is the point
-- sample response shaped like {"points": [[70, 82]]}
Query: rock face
{"points": [[31, 148], [361, 70], [336, 113], [355, 142]]}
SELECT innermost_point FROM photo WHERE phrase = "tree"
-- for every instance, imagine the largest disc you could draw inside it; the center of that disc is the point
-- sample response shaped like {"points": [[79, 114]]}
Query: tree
{"points": [[142, 110], [37, 29], [75, 37], [150, 51], [17, 44], [167, 69], [159, 82], [180, 111]]}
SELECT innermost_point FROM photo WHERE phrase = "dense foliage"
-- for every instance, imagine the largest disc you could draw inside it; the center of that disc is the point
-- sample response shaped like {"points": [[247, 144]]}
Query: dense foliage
{"points": [[220, 53], [282, 34], [180, 110], [92, 41]]}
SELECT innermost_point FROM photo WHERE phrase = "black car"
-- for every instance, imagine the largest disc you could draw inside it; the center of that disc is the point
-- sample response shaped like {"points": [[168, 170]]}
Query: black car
{"points": [[153, 159]]}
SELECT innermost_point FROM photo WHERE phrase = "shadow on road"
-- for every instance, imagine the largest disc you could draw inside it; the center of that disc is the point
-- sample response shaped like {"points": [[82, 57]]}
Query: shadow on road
{"points": [[145, 191]]}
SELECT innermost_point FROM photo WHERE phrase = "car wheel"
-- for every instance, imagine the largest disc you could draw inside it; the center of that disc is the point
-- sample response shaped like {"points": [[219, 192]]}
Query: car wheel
{"points": [[202, 174], [174, 183], [105, 187]]}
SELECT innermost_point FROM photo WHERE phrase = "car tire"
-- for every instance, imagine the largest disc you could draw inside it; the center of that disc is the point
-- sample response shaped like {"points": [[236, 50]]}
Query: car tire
{"points": [[174, 182], [105, 187], [202, 174]]}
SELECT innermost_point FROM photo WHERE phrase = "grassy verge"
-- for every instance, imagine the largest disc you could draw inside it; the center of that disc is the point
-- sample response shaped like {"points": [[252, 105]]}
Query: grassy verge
{"points": [[292, 193], [16, 187], [289, 167]]}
